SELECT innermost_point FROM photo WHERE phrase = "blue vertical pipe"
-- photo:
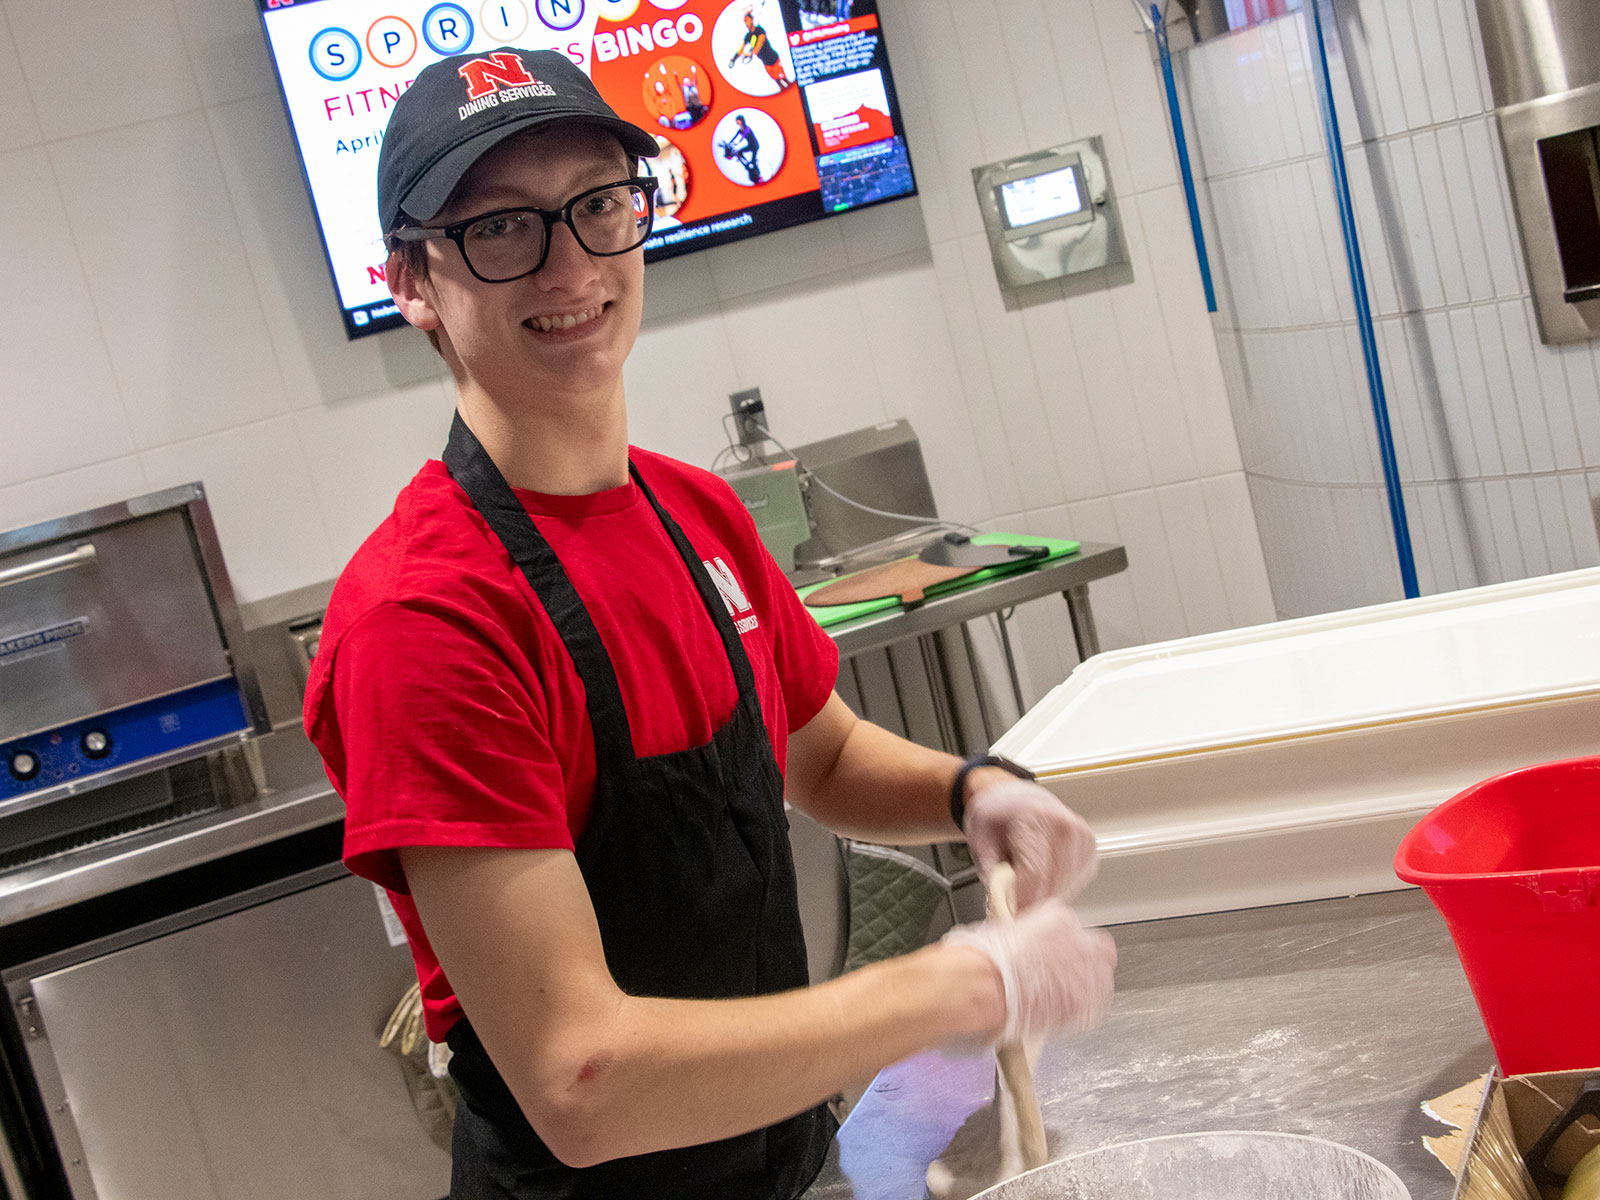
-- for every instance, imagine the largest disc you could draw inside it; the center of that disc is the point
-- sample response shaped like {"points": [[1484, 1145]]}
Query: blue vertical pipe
{"points": [[1369, 338], [1160, 25]]}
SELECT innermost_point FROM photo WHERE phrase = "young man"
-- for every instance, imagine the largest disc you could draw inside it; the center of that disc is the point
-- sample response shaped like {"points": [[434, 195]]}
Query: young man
{"points": [[558, 689], [755, 45]]}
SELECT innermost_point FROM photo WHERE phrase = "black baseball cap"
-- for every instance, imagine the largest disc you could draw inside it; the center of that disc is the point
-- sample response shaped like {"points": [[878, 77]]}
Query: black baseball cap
{"points": [[460, 108]]}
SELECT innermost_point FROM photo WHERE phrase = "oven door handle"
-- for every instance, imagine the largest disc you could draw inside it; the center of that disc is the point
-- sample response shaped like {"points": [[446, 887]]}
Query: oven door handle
{"points": [[78, 557]]}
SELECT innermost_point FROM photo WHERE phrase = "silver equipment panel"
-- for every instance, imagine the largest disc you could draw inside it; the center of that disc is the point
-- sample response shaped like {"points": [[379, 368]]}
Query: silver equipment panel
{"points": [[1049, 214], [231, 1053]]}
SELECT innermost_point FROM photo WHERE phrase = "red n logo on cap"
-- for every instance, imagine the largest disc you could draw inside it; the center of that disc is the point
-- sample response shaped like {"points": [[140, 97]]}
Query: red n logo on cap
{"points": [[488, 74]]}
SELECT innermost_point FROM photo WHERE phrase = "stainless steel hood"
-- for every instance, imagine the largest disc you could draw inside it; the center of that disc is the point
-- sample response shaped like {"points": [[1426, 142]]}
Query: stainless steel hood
{"points": [[1539, 48], [1544, 68]]}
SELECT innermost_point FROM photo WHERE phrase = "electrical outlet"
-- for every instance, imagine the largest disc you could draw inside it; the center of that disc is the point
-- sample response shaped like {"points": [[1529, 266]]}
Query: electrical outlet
{"points": [[749, 416]]}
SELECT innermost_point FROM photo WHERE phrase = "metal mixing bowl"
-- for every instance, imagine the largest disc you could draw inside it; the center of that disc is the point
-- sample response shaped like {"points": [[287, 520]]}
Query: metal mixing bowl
{"points": [[1227, 1165]]}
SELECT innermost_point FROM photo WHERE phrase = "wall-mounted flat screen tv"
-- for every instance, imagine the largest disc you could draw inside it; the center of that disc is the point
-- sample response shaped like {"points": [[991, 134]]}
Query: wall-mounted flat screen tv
{"points": [[769, 113]]}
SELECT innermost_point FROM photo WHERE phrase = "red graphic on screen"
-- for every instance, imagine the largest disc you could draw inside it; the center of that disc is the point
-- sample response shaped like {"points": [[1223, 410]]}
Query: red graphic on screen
{"points": [[618, 78], [854, 129]]}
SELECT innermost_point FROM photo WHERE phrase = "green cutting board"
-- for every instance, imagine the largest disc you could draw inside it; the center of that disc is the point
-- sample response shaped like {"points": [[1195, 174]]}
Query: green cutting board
{"points": [[837, 614]]}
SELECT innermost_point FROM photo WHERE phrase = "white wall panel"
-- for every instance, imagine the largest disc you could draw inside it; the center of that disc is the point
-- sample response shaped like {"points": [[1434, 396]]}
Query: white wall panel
{"points": [[259, 484], [175, 297], [71, 491], [1008, 356], [1460, 192], [125, 62], [1197, 564], [19, 126], [359, 454], [63, 408], [1461, 58], [226, 50], [1493, 430], [1578, 501]]}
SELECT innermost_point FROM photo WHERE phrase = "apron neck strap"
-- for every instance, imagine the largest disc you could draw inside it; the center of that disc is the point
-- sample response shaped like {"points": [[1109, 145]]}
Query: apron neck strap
{"points": [[471, 467], [700, 571]]}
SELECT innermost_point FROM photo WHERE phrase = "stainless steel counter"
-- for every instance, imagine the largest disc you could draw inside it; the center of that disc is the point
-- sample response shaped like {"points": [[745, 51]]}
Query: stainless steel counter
{"points": [[298, 797], [1334, 1018]]}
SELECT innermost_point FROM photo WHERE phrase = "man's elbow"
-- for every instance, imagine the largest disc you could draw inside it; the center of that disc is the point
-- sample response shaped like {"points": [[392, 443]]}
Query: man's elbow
{"points": [[575, 1145], [579, 1120]]}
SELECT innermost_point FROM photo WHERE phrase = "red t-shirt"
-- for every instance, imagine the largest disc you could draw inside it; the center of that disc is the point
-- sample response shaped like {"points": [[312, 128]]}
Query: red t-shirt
{"points": [[448, 712]]}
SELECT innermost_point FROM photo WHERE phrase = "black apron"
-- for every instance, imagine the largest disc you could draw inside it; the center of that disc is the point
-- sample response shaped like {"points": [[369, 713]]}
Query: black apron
{"points": [[687, 861]]}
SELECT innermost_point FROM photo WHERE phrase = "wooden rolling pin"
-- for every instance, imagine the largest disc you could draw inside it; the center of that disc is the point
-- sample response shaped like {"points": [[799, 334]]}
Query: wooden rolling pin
{"points": [[1015, 1074]]}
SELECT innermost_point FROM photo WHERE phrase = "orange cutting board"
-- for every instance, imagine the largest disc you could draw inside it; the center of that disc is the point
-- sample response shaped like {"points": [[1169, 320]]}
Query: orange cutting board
{"points": [[907, 578]]}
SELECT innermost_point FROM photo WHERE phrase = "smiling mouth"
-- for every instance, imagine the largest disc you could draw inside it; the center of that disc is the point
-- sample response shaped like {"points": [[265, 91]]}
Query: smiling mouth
{"points": [[561, 322]]}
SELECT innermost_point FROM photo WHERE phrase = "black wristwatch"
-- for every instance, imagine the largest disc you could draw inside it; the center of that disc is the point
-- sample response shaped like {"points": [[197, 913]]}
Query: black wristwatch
{"points": [[958, 789]]}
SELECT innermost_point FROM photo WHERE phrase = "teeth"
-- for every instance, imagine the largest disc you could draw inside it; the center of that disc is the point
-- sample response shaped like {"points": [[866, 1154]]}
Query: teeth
{"points": [[563, 320]]}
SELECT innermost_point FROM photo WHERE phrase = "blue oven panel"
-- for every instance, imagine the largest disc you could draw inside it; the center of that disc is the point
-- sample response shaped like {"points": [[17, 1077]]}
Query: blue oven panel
{"points": [[122, 737]]}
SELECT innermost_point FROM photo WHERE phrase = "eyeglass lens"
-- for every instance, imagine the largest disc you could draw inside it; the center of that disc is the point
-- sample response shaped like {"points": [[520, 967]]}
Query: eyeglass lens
{"points": [[511, 244]]}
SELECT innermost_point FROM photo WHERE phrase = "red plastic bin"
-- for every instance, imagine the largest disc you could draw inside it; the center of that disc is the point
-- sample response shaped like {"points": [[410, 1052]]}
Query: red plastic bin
{"points": [[1513, 866]]}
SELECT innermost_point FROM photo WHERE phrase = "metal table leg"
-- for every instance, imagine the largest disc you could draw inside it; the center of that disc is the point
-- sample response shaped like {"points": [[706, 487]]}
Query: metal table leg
{"points": [[1011, 661], [941, 687], [1082, 617], [977, 685]]}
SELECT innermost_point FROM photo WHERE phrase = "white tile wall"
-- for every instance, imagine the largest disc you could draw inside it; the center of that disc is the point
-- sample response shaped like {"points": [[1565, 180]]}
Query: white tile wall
{"points": [[66, 410], [1497, 436], [226, 50], [188, 359], [359, 454], [92, 43], [258, 480], [189, 330], [71, 491], [18, 124]]}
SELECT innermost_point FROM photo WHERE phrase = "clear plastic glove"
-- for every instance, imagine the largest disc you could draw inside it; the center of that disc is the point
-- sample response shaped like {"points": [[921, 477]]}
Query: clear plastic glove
{"points": [[1055, 971], [1050, 847]]}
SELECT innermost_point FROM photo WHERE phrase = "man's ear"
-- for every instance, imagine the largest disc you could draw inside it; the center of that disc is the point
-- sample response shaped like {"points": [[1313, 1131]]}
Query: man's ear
{"points": [[413, 294]]}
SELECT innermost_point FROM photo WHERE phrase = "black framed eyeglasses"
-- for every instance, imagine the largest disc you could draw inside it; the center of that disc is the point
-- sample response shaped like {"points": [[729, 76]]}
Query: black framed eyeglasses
{"points": [[509, 243]]}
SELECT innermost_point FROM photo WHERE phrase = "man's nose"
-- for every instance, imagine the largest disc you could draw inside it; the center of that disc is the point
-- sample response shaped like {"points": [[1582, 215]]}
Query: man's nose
{"points": [[567, 263]]}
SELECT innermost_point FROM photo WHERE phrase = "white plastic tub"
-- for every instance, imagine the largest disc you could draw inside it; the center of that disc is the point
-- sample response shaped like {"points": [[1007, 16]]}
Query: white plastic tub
{"points": [[1285, 762]]}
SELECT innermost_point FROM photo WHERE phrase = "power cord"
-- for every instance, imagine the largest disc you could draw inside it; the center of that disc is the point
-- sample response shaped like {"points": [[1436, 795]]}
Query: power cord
{"points": [[812, 478], [743, 454]]}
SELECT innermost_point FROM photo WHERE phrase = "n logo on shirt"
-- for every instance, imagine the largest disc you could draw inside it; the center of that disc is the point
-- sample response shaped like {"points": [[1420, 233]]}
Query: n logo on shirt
{"points": [[738, 604]]}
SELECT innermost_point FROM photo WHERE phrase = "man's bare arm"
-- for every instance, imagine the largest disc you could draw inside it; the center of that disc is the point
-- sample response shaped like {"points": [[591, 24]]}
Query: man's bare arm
{"points": [[862, 781], [600, 1074]]}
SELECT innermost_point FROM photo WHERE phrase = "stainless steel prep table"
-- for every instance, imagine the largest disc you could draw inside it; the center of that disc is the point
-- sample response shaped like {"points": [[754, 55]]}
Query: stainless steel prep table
{"points": [[1069, 577], [1334, 1018]]}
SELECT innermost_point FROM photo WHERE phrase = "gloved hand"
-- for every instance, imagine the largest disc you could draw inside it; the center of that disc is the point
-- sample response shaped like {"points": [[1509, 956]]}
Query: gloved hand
{"points": [[1049, 846], [1056, 973]]}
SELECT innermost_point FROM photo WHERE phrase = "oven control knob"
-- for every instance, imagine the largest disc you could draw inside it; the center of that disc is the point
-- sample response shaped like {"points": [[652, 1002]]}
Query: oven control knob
{"points": [[96, 743], [24, 765]]}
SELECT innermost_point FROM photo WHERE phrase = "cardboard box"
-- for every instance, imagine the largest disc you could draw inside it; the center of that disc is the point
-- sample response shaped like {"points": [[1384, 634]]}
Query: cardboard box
{"points": [[1514, 1114]]}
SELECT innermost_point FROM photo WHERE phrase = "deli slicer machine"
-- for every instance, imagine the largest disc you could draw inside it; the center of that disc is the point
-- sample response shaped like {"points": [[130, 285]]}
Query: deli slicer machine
{"points": [[127, 696]]}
